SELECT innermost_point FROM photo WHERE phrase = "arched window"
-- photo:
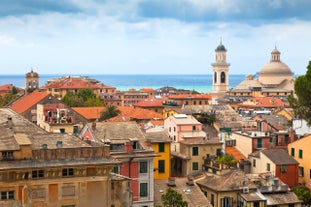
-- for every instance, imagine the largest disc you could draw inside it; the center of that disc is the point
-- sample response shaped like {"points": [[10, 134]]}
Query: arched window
{"points": [[223, 77], [215, 77]]}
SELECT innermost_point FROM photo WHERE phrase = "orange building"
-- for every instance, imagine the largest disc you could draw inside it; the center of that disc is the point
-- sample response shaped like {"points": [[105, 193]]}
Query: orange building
{"points": [[190, 99]]}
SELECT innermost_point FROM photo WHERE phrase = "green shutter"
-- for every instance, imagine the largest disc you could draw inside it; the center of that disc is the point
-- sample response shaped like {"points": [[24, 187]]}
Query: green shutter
{"points": [[300, 153], [161, 147], [143, 189], [195, 166], [195, 151], [143, 167], [161, 166], [293, 152]]}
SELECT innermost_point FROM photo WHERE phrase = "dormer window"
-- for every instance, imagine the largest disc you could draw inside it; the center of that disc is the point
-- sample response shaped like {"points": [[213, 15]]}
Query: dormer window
{"points": [[7, 155]]}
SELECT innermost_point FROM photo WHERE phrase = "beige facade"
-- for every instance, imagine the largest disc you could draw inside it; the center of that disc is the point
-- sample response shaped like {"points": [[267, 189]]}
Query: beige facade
{"points": [[220, 70], [274, 79], [52, 170]]}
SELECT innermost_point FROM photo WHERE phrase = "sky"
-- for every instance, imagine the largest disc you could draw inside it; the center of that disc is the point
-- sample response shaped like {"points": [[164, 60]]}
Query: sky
{"points": [[151, 36]]}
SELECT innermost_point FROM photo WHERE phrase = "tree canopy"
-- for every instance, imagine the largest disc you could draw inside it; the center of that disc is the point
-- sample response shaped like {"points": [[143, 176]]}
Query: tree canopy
{"points": [[303, 193], [83, 97], [109, 112], [302, 102], [8, 97], [172, 198]]}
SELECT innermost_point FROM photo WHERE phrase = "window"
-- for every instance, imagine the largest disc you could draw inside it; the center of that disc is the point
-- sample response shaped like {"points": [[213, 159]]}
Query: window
{"points": [[143, 189], [254, 163], [161, 166], [169, 129], [268, 166], [68, 205], [7, 155], [286, 138], [256, 203], [300, 153], [143, 167], [7, 195], [174, 137], [194, 128], [195, 166], [161, 147], [301, 171], [222, 77], [259, 143], [66, 172], [194, 103], [37, 174], [226, 201], [195, 151], [174, 129], [283, 169], [115, 169], [293, 152]]}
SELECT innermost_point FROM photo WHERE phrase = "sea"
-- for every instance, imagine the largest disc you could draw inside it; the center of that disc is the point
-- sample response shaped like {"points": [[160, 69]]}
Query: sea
{"points": [[199, 82]]}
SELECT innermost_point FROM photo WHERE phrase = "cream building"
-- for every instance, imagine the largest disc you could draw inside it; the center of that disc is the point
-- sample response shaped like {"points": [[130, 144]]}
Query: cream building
{"points": [[274, 79]]}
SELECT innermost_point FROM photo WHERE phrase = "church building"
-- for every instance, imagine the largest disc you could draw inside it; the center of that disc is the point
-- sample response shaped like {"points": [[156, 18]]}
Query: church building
{"points": [[275, 79], [220, 72]]}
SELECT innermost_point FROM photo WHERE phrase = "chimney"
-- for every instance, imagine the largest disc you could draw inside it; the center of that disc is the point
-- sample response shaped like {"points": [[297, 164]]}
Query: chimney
{"points": [[94, 126], [10, 123], [128, 147]]}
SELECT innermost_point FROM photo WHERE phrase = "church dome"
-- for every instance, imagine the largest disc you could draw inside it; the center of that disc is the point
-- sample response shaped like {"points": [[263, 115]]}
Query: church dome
{"points": [[32, 74], [220, 47], [274, 72], [275, 68]]}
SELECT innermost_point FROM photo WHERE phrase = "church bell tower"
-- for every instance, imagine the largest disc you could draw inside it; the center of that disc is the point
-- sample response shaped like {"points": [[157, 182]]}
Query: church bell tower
{"points": [[220, 70], [32, 81]]}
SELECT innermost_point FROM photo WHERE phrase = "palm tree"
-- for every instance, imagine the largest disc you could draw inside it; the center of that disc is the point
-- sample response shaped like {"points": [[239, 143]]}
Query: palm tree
{"points": [[109, 112]]}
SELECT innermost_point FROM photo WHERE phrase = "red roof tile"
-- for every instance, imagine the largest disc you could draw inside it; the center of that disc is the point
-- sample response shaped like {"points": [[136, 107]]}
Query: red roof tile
{"points": [[191, 96], [129, 113], [148, 90], [265, 102], [235, 153], [28, 101], [149, 103], [89, 112]]}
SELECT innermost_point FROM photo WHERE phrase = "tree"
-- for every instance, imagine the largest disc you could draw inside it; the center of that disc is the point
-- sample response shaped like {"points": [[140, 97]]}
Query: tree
{"points": [[226, 159], [83, 97], [303, 193], [194, 92], [302, 103], [173, 198], [109, 112]]}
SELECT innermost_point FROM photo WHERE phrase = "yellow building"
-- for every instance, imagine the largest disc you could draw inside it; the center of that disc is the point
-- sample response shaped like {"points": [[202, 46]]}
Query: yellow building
{"points": [[43, 169], [161, 145], [300, 151]]}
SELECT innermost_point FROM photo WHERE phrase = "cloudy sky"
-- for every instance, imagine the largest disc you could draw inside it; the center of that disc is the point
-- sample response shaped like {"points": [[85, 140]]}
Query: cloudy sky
{"points": [[151, 36]]}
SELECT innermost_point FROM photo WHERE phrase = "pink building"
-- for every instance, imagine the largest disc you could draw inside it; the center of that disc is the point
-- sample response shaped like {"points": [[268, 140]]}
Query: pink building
{"points": [[181, 125]]}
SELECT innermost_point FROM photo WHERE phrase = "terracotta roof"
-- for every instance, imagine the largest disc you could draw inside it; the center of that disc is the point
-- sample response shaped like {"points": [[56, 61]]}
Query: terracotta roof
{"points": [[89, 112], [74, 83], [235, 153], [8, 88], [28, 101], [149, 103], [191, 96], [129, 113], [148, 90], [265, 102]]}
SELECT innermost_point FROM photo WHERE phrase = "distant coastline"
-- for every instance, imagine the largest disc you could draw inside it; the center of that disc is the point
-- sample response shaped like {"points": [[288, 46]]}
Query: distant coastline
{"points": [[201, 83]]}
